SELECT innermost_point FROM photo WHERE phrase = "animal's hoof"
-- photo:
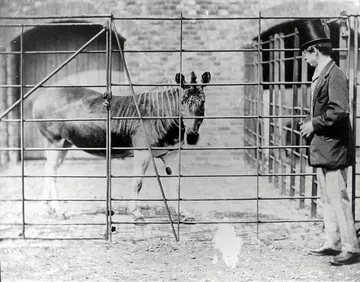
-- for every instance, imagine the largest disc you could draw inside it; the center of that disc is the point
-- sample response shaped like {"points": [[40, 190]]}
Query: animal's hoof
{"points": [[61, 216], [168, 170], [139, 221], [188, 219], [51, 211]]}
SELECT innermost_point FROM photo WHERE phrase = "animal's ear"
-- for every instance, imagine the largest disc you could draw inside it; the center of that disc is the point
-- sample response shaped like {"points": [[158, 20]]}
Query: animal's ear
{"points": [[206, 77], [180, 79]]}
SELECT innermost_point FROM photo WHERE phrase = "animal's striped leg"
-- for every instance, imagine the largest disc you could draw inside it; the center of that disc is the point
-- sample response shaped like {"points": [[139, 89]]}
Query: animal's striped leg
{"points": [[141, 163]]}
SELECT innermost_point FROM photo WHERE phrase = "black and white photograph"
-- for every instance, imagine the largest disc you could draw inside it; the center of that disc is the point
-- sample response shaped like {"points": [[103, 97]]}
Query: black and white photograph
{"points": [[179, 140]]}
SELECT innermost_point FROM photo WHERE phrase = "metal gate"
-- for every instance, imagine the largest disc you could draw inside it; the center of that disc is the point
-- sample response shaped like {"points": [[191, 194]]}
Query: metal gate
{"points": [[284, 164], [281, 73]]}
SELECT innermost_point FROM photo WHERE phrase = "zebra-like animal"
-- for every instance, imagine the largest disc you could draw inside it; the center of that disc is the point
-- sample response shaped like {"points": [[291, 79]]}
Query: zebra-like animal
{"points": [[72, 103]]}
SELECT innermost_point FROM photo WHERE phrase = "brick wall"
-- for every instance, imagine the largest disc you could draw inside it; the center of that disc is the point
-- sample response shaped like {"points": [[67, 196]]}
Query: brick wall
{"points": [[197, 34]]}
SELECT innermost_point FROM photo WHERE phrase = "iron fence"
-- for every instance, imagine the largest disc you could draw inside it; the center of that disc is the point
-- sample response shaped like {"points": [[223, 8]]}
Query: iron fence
{"points": [[272, 164]]}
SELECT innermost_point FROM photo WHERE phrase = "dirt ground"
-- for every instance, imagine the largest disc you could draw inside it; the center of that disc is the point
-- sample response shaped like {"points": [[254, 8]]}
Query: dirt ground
{"points": [[273, 252], [164, 259]]}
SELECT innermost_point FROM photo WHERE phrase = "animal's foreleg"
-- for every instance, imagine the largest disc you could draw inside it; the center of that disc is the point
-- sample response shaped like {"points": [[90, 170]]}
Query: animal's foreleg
{"points": [[141, 163], [171, 160], [49, 191]]}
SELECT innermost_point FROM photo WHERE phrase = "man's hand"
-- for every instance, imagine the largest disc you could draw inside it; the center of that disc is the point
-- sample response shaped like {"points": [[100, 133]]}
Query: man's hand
{"points": [[306, 129]]}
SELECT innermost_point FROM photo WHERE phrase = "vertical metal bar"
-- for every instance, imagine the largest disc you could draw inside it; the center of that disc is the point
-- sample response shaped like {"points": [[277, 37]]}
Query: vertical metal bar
{"points": [[302, 178], [22, 129], [108, 130], [12, 96], [276, 108], [144, 128], [343, 38], [261, 113], [356, 53], [253, 107], [4, 155], [257, 129], [271, 108], [304, 98], [282, 111], [179, 111], [294, 136], [302, 156], [246, 105]]}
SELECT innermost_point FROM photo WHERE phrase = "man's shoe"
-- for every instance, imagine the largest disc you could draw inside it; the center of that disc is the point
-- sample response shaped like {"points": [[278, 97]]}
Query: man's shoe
{"points": [[324, 252], [345, 258]]}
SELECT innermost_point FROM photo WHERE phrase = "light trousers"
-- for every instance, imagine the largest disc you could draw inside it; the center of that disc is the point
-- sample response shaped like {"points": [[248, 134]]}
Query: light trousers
{"points": [[340, 233]]}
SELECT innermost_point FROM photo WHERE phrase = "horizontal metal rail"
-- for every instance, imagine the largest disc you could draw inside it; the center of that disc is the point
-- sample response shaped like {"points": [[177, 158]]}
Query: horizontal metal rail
{"points": [[55, 17], [159, 200], [52, 86], [228, 148], [64, 224], [254, 83], [221, 222], [228, 18], [54, 238], [163, 176], [246, 50], [151, 117], [48, 24], [175, 18]]}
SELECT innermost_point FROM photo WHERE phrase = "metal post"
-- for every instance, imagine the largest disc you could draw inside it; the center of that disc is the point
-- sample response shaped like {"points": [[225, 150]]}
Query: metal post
{"points": [[304, 98], [355, 72], [257, 130], [4, 142], [144, 128], [179, 111], [293, 122], [22, 140], [343, 40], [271, 108], [253, 107], [107, 103], [276, 109], [281, 112], [13, 134]]}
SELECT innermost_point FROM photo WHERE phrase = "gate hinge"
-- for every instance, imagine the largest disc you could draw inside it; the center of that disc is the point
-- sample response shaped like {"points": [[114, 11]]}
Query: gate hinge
{"points": [[107, 95]]}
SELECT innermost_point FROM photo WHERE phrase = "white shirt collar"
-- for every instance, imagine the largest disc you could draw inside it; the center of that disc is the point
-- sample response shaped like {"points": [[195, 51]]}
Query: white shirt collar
{"points": [[322, 64]]}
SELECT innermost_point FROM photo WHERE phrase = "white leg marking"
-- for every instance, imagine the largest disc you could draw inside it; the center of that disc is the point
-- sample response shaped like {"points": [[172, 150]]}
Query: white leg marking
{"points": [[141, 163]]}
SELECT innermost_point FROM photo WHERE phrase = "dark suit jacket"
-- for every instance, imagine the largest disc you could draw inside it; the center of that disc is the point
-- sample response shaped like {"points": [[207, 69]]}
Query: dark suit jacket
{"points": [[332, 144]]}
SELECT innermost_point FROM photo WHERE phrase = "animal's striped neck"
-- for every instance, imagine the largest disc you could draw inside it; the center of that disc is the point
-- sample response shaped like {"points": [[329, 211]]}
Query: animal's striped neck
{"points": [[164, 102]]}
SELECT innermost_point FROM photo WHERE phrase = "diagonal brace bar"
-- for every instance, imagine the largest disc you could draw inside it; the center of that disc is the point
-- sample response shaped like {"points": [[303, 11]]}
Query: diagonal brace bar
{"points": [[143, 126], [32, 90]]}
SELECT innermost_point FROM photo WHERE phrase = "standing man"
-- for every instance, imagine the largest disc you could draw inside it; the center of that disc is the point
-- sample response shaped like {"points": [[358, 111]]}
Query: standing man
{"points": [[332, 148]]}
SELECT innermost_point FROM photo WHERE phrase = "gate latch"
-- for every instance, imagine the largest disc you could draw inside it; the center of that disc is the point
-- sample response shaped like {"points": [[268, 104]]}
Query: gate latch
{"points": [[107, 96]]}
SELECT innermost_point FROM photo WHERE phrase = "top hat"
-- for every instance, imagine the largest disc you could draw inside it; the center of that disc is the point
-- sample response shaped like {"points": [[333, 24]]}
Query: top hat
{"points": [[312, 32]]}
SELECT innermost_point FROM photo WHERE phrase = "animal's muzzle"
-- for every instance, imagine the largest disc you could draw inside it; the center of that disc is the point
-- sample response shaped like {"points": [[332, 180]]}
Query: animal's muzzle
{"points": [[192, 138]]}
